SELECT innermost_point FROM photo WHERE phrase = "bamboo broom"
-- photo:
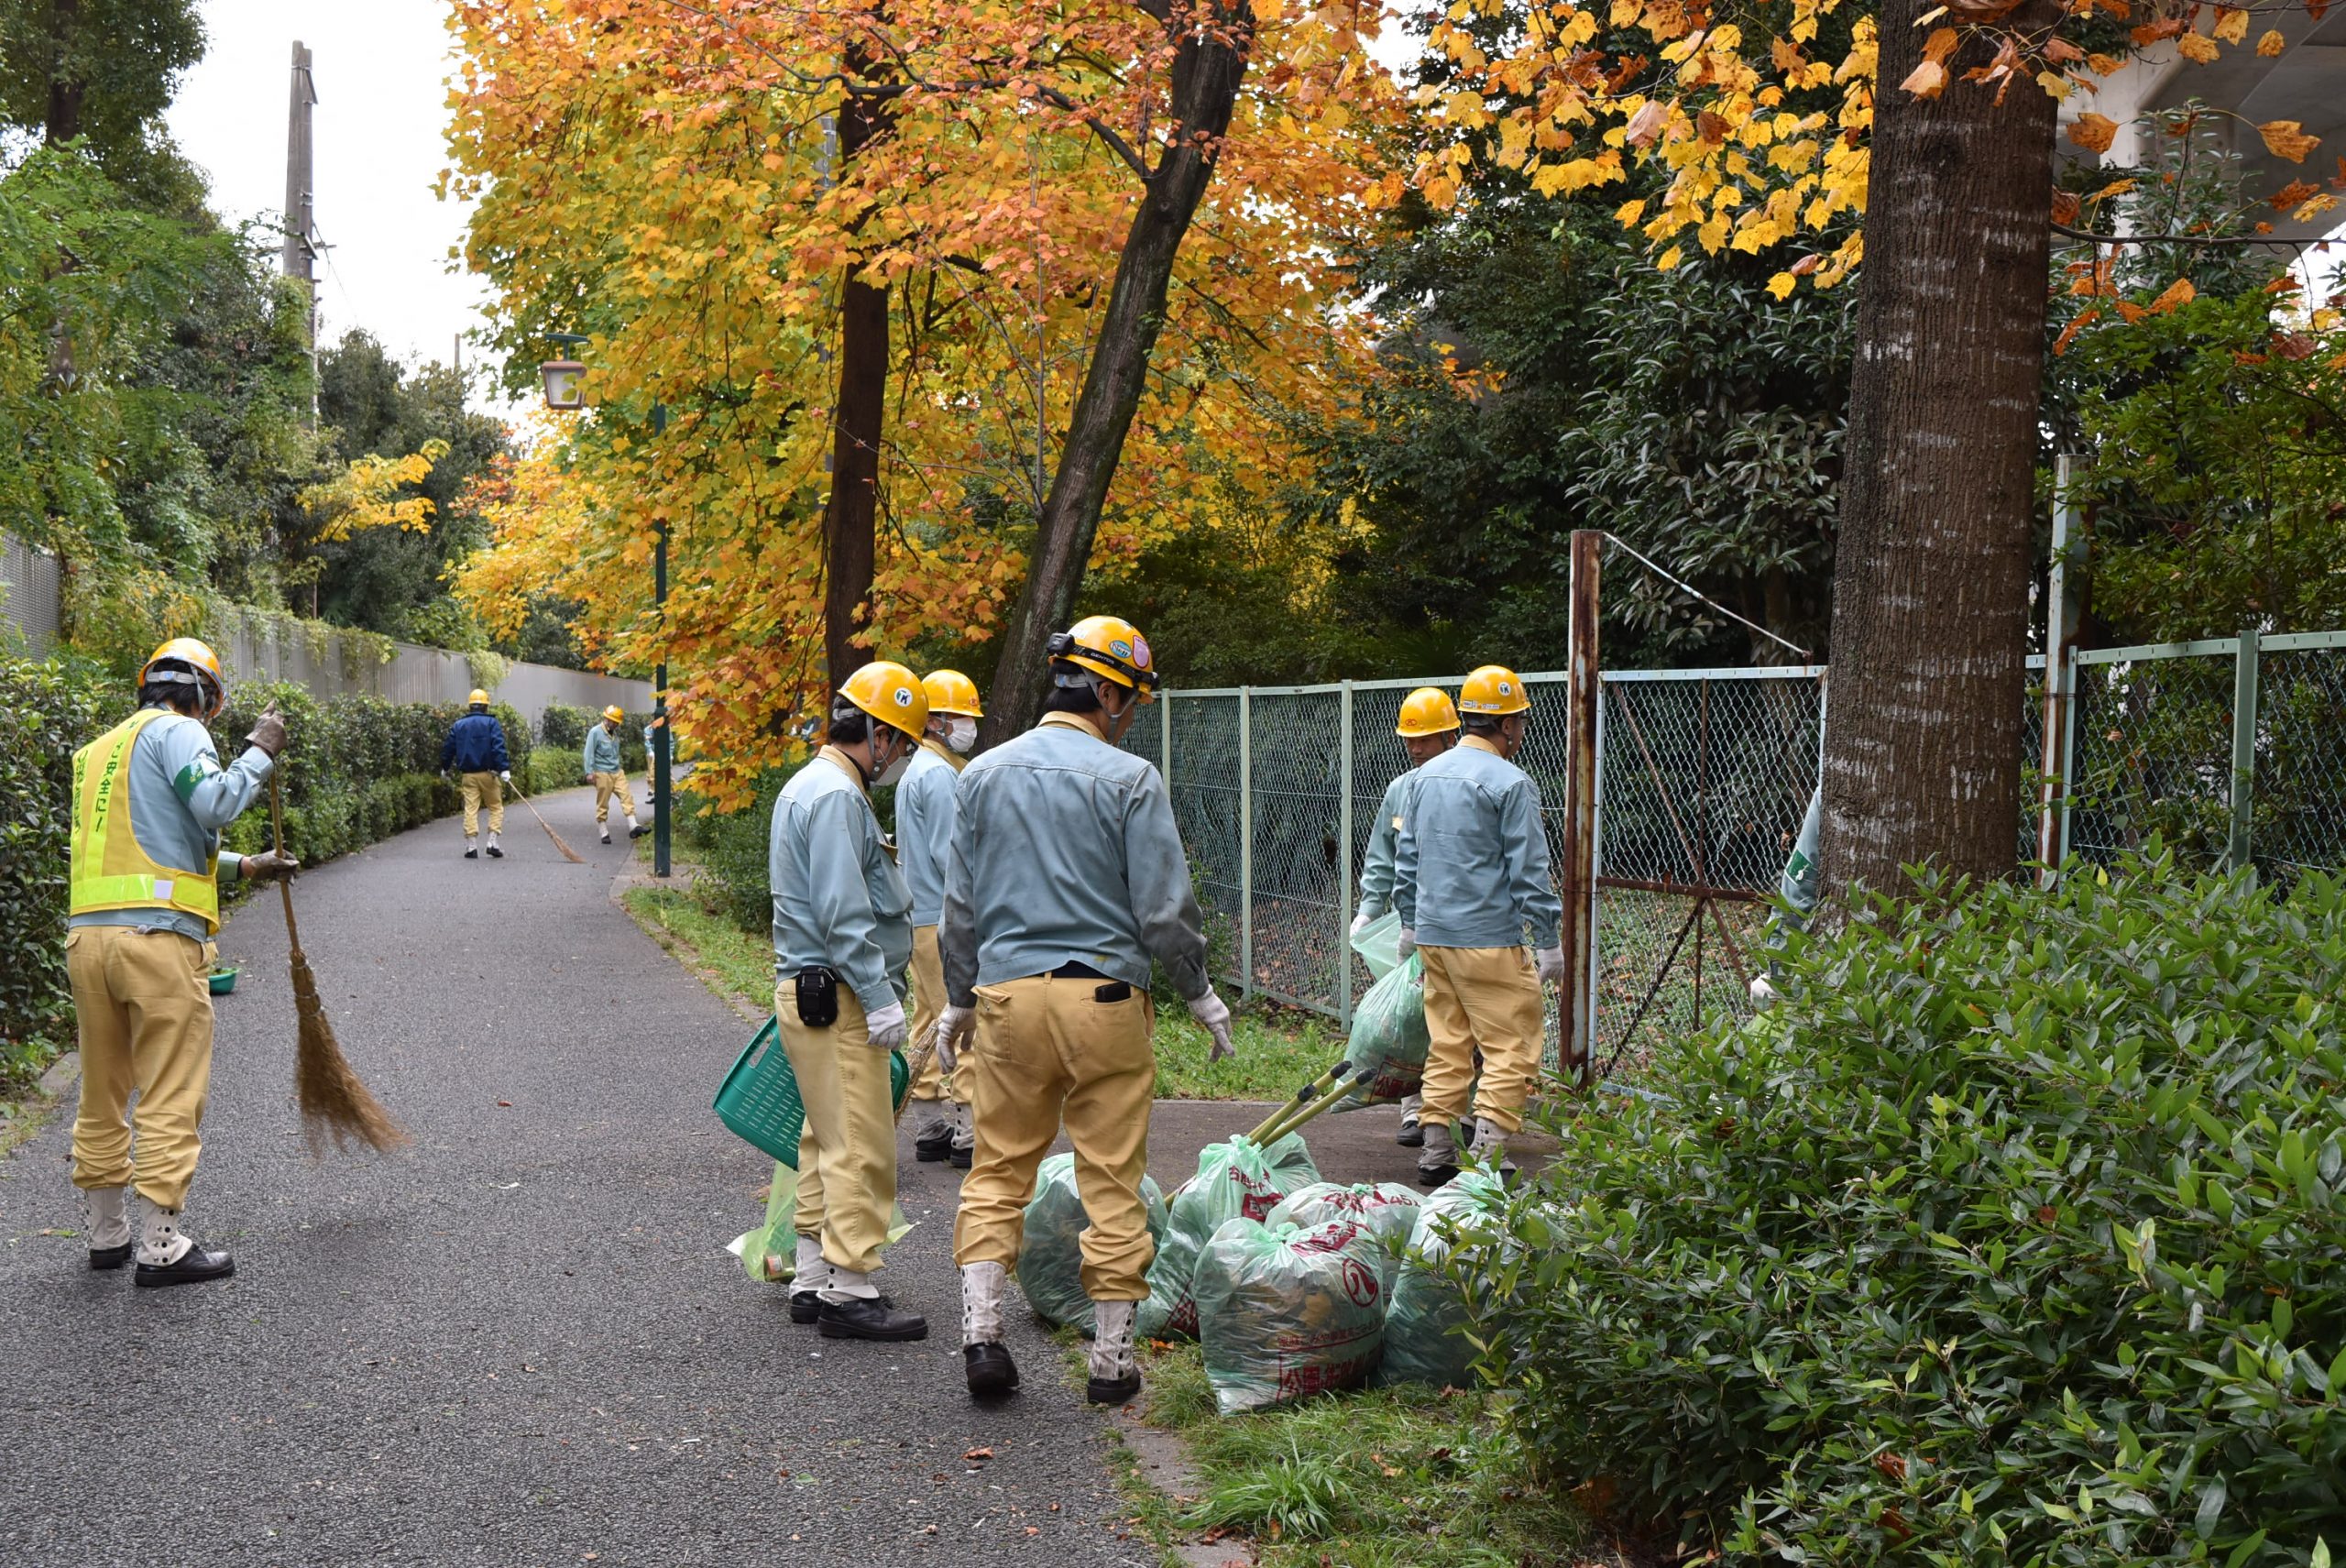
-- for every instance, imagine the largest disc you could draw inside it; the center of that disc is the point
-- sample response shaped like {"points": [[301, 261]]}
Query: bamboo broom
{"points": [[334, 1101], [568, 853]]}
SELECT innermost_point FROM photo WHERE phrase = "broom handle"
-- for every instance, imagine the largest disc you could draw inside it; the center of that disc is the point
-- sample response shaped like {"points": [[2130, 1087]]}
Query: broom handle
{"points": [[277, 837], [1295, 1120]]}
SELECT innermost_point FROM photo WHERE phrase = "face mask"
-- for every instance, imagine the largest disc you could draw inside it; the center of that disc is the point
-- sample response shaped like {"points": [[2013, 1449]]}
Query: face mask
{"points": [[894, 770], [961, 734]]}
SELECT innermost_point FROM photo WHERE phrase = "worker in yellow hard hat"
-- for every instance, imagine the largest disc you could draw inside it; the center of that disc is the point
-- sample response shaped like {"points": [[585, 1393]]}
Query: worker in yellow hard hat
{"points": [[940, 1103], [475, 750], [1066, 883], [842, 938], [1428, 727], [143, 902], [1470, 878], [599, 761]]}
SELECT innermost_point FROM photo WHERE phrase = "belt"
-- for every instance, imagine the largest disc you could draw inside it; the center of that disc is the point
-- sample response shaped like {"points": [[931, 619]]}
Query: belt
{"points": [[1073, 971]]}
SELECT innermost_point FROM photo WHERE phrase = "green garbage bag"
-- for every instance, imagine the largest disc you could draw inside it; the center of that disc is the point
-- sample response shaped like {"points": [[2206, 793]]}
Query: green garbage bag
{"points": [[1422, 1342], [1378, 943], [1389, 1039], [1050, 1255], [1236, 1180], [1387, 1210], [1285, 1311]]}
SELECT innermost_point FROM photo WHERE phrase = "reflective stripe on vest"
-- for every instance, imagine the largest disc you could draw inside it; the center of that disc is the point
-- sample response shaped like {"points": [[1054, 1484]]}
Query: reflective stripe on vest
{"points": [[109, 871]]}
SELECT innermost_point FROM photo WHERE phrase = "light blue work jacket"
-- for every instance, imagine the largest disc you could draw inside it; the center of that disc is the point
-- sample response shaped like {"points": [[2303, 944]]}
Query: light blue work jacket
{"points": [[601, 752], [924, 827], [838, 899], [179, 799], [1064, 850], [1377, 871], [1470, 869]]}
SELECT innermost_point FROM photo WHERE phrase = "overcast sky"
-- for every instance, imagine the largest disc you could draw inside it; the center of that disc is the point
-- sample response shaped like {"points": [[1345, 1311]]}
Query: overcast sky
{"points": [[381, 68]]}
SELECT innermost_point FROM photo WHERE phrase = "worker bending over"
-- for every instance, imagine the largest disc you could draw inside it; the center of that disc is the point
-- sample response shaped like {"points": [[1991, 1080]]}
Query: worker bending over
{"points": [[924, 839], [476, 749], [599, 760], [149, 800], [1428, 728], [1470, 873], [1067, 878], [842, 938]]}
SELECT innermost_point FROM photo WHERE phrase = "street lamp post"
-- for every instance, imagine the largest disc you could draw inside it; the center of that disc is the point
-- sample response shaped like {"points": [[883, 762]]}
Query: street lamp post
{"points": [[564, 382]]}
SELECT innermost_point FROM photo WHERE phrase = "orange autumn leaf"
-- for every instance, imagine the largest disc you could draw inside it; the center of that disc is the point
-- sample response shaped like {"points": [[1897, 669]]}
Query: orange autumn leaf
{"points": [[2094, 132], [2292, 194], [2173, 297], [2287, 138], [2270, 43], [2230, 25], [1927, 79], [2198, 48]]}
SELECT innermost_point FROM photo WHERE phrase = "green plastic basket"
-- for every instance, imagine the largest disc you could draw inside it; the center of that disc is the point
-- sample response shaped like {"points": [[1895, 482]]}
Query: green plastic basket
{"points": [[223, 982], [759, 1099]]}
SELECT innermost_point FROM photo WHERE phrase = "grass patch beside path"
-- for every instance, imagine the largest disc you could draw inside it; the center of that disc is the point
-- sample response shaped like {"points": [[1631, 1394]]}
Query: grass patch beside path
{"points": [[1275, 1053], [1387, 1479]]}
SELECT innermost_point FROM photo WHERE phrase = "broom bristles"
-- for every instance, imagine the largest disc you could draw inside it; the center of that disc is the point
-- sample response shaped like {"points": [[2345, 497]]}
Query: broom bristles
{"points": [[568, 853], [334, 1101]]}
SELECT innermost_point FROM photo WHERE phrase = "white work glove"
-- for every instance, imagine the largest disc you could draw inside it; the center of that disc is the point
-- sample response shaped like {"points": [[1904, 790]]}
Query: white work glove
{"points": [[1551, 965], [886, 1026], [1214, 1012], [1763, 991], [1366, 919], [505, 776], [951, 1034], [1408, 941]]}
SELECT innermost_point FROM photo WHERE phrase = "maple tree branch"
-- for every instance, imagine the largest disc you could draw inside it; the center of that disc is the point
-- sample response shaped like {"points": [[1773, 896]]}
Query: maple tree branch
{"points": [[2296, 244]]}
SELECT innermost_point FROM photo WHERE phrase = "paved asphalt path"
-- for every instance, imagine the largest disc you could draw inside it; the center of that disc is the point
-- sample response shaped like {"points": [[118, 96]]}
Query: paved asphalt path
{"points": [[521, 1341]]}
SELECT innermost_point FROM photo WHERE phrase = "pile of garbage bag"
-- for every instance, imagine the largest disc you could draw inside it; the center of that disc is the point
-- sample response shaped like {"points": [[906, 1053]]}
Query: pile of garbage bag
{"points": [[1050, 1257], [1234, 1181], [1387, 1210], [1287, 1312], [1421, 1344]]}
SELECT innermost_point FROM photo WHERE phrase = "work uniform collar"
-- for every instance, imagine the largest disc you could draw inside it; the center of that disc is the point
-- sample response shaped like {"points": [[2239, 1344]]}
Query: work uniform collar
{"points": [[1082, 722], [1480, 744], [845, 764], [934, 747]]}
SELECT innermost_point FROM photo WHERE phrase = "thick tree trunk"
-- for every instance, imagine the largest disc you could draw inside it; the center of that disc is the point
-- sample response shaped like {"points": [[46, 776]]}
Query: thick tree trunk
{"points": [[64, 119], [851, 518], [1208, 69], [1930, 592]]}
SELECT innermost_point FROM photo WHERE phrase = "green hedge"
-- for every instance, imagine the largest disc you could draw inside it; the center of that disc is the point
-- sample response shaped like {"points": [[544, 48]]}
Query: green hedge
{"points": [[2016, 1233], [355, 770]]}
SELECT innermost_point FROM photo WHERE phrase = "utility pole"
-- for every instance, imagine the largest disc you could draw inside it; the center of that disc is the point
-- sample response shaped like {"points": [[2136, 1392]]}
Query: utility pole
{"points": [[300, 252]]}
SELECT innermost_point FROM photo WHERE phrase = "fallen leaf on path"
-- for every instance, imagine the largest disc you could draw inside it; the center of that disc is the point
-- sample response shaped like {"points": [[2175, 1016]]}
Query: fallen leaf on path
{"points": [[978, 1453]]}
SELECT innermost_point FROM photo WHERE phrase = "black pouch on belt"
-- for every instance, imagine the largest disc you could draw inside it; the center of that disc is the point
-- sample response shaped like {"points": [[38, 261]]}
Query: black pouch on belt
{"points": [[819, 997]]}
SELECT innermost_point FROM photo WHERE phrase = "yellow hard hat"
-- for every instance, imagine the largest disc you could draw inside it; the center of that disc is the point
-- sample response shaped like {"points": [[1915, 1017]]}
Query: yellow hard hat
{"points": [[890, 694], [1426, 711], [1494, 688], [1108, 645], [951, 691], [613, 713], [185, 659], [478, 700]]}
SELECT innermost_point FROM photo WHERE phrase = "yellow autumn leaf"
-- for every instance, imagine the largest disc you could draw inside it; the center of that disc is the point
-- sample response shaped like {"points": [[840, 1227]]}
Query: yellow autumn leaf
{"points": [[1670, 259], [2231, 24], [2271, 43], [1927, 79], [2287, 138], [2198, 48], [1628, 213], [1782, 284]]}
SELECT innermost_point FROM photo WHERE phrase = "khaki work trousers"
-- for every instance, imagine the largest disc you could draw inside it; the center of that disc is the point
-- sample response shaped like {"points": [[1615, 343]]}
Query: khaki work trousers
{"points": [[1046, 1049], [847, 1149], [928, 1002], [480, 787], [606, 786], [1487, 997], [143, 1003]]}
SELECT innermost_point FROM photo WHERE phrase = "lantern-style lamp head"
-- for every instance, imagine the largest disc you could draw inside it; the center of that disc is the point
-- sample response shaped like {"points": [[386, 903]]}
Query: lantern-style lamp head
{"points": [[564, 382]]}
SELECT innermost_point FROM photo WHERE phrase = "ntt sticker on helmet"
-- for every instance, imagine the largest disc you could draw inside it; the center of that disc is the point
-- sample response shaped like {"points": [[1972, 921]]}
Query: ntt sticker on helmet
{"points": [[1121, 649]]}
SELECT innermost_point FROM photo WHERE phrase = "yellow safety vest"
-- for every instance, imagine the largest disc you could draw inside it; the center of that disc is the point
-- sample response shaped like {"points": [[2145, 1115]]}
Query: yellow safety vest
{"points": [[109, 870]]}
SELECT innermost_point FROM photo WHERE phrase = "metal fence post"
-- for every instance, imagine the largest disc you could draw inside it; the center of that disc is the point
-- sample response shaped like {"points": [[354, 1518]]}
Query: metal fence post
{"points": [[1166, 766], [1576, 999], [2244, 700], [2063, 623], [1345, 861], [1246, 844]]}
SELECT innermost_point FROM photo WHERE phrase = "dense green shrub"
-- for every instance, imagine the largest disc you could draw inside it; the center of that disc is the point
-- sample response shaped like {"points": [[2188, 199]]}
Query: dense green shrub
{"points": [[355, 770], [730, 849], [2012, 1235]]}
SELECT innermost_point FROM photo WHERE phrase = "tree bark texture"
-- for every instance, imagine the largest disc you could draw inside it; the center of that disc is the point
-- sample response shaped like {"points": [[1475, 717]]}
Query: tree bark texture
{"points": [[1930, 594], [850, 516], [64, 119], [1209, 67]]}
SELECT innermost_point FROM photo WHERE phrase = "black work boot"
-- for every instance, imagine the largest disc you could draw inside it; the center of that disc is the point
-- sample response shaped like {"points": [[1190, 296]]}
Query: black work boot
{"points": [[1115, 1370], [471, 853], [806, 1305], [989, 1369], [495, 853], [935, 1140], [169, 1256], [869, 1317], [1438, 1160]]}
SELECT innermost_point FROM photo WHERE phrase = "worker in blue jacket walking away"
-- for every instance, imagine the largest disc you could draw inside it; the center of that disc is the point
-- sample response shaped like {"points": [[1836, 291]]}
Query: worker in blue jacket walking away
{"points": [[475, 750]]}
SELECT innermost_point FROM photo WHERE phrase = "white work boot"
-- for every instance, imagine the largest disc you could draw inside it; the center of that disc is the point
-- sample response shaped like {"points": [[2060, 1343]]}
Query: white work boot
{"points": [[933, 1134], [167, 1255], [985, 1360], [808, 1274], [1115, 1370], [1437, 1159], [1490, 1147], [965, 1138], [105, 1225]]}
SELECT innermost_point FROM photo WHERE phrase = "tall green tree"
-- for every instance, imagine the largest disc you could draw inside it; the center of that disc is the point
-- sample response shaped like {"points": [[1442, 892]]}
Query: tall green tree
{"points": [[103, 71]]}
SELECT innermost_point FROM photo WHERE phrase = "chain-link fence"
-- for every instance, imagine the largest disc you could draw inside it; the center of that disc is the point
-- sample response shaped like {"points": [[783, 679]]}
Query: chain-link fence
{"points": [[1703, 777]]}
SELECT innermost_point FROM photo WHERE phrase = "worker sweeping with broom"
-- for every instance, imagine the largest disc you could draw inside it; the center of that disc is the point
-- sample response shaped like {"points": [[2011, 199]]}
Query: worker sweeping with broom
{"points": [[475, 751], [149, 800], [1067, 878]]}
